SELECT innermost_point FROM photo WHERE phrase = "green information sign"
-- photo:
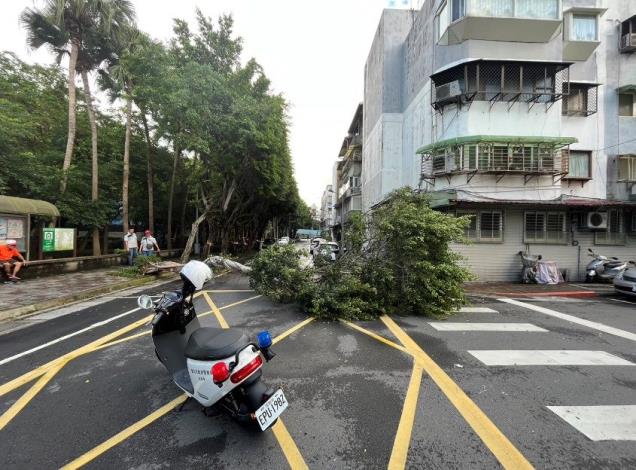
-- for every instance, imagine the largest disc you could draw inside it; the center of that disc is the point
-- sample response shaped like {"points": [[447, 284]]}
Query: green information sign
{"points": [[58, 239]]}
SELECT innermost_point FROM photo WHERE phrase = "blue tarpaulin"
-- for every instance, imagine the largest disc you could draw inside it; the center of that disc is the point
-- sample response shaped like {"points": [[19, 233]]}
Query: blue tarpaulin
{"points": [[307, 233]]}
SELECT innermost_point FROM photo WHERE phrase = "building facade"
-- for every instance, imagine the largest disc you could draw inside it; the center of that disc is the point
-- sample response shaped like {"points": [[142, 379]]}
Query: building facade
{"points": [[516, 113], [327, 209], [347, 182]]}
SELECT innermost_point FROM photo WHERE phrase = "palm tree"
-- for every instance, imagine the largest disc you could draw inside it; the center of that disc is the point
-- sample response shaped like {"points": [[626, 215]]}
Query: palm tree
{"points": [[65, 26], [80, 29]]}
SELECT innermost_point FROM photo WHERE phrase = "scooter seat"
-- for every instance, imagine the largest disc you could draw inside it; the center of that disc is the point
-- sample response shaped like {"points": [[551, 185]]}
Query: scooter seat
{"points": [[215, 343], [614, 264]]}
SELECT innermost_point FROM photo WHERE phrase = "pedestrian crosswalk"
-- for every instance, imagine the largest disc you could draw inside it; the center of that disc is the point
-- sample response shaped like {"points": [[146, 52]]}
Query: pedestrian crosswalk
{"points": [[598, 422]]}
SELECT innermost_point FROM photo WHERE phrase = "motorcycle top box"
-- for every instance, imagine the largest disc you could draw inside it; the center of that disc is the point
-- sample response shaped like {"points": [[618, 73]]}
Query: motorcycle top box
{"points": [[220, 368]]}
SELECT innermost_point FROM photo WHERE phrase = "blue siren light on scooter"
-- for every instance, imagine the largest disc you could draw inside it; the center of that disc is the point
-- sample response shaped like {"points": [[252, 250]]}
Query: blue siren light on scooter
{"points": [[264, 339]]}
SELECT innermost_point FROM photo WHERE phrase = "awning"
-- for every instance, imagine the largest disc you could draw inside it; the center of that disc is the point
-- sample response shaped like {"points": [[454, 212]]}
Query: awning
{"points": [[23, 206], [498, 139], [627, 89], [453, 197]]}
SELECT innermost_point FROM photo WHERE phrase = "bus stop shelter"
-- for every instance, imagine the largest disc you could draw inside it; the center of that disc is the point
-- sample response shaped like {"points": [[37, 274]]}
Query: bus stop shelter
{"points": [[16, 218]]}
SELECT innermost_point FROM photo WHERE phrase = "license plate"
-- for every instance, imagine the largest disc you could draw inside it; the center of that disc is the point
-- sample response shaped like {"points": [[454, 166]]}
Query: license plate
{"points": [[271, 409], [634, 288]]}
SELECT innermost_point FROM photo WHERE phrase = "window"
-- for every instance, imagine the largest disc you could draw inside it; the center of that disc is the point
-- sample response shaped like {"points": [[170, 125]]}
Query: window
{"points": [[443, 19], [580, 165], [484, 226], [490, 226], [627, 168], [614, 235], [625, 104], [458, 9], [581, 99], [537, 8], [633, 224], [584, 27], [545, 227]]}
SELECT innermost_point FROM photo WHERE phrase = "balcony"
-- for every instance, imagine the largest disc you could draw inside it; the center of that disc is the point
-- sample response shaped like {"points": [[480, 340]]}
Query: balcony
{"points": [[507, 81], [498, 155], [581, 32], [498, 20], [628, 35]]}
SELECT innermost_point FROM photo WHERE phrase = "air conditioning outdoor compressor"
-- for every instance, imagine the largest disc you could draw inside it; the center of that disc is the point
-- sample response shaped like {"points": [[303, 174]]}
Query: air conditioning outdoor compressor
{"points": [[597, 220]]}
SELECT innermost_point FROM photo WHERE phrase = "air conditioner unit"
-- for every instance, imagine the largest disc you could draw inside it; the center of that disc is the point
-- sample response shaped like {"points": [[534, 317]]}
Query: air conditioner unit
{"points": [[448, 92], [597, 220], [628, 42]]}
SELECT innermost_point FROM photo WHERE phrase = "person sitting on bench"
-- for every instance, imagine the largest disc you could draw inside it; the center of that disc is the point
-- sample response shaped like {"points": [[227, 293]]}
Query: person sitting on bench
{"points": [[8, 255]]}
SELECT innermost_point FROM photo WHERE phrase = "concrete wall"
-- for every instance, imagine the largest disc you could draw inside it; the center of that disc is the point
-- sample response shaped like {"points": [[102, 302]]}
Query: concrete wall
{"points": [[500, 262]]}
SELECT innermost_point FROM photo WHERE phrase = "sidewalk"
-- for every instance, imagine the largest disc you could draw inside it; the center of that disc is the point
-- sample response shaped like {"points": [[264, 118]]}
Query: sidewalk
{"points": [[46, 292], [511, 289]]}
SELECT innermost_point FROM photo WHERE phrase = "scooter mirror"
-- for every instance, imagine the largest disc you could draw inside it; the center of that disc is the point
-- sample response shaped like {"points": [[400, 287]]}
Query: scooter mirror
{"points": [[145, 302]]}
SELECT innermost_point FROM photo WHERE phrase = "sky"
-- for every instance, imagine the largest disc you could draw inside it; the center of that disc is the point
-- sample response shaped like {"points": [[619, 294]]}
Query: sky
{"points": [[313, 51]]}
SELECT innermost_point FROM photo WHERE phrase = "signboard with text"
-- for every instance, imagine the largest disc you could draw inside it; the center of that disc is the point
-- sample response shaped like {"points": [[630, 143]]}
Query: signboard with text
{"points": [[58, 239]]}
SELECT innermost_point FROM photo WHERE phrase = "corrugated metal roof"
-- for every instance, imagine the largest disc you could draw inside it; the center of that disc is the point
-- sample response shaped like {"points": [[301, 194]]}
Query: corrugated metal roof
{"points": [[20, 205], [503, 139]]}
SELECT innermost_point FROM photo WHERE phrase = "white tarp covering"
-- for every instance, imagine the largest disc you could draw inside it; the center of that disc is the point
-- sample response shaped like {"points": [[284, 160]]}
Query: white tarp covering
{"points": [[548, 273]]}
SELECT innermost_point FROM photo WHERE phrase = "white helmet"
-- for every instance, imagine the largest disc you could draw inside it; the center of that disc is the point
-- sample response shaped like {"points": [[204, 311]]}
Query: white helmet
{"points": [[197, 273]]}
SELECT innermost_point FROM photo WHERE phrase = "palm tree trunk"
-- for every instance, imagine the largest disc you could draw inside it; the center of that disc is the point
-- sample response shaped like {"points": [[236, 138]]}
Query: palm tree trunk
{"points": [[70, 140], [177, 152], [94, 157], [151, 209], [124, 191]]}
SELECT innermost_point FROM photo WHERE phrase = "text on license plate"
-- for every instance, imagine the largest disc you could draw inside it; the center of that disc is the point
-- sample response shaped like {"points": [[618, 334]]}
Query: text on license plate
{"points": [[271, 409]]}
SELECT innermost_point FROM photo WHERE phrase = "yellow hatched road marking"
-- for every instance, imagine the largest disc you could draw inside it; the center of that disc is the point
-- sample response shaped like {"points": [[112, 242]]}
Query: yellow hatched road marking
{"points": [[25, 378], [293, 329], [215, 311], [287, 444], [125, 434], [403, 436], [241, 302], [28, 395], [373, 335], [292, 454], [507, 454]]}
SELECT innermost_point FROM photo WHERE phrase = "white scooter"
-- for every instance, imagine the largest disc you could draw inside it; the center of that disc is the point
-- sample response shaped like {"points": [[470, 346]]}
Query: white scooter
{"points": [[602, 268], [219, 368]]}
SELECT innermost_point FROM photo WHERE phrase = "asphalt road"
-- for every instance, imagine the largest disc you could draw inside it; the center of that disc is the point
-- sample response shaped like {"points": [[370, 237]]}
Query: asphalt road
{"points": [[355, 401]]}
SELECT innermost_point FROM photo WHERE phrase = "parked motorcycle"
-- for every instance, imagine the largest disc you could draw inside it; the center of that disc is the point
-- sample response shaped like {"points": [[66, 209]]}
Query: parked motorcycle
{"points": [[219, 368], [602, 268], [529, 270]]}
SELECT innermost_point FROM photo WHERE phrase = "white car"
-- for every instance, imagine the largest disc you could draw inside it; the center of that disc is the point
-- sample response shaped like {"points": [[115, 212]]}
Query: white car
{"points": [[625, 282], [283, 241], [329, 250]]}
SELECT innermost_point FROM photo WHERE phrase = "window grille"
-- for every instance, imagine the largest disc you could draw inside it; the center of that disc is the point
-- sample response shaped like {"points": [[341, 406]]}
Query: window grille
{"points": [[614, 235], [487, 80], [545, 227], [582, 99]]}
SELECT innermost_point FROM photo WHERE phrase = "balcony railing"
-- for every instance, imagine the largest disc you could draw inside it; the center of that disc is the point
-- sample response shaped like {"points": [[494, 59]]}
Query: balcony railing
{"points": [[503, 157]]}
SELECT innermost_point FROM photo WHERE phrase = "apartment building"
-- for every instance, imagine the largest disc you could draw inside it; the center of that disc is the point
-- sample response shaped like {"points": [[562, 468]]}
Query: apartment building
{"points": [[516, 113], [347, 175], [327, 209]]}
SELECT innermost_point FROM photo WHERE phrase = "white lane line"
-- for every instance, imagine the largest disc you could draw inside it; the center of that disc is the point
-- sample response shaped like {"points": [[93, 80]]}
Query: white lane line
{"points": [[571, 318], [450, 326], [601, 423], [477, 310], [624, 301], [529, 357], [70, 335]]}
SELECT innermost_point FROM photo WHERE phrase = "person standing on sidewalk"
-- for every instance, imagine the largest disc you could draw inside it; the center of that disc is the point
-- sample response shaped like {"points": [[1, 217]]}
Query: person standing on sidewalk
{"points": [[130, 245], [148, 244], [8, 255]]}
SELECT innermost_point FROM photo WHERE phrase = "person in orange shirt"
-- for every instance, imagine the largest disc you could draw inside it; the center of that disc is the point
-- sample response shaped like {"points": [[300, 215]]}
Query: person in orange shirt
{"points": [[8, 255]]}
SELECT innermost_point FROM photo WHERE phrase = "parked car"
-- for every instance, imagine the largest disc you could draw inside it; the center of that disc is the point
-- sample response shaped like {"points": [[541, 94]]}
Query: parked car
{"points": [[329, 250], [283, 241], [625, 281], [315, 243]]}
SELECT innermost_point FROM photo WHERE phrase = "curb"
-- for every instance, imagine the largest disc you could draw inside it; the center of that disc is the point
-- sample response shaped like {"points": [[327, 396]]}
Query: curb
{"points": [[576, 294], [28, 310]]}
